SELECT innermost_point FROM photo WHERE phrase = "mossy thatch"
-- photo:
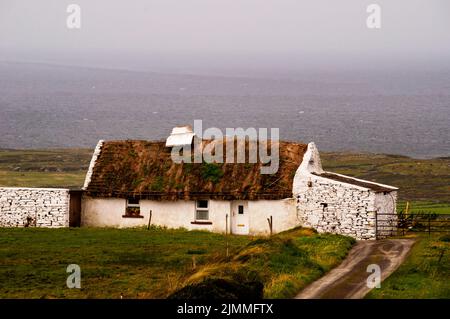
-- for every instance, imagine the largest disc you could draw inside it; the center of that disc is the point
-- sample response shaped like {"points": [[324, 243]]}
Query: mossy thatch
{"points": [[145, 169]]}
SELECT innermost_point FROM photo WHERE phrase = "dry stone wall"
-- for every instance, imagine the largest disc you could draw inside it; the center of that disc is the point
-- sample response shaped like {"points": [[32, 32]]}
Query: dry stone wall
{"points": [[331, 206], [337, 208], [34, 207]]}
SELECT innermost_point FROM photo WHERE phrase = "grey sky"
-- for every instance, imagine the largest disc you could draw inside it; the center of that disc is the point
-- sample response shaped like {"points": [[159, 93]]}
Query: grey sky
{"points": [[239, 32]]}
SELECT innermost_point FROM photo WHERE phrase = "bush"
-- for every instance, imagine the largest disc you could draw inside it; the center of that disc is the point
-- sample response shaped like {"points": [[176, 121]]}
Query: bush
{"points": [[218, 288]]}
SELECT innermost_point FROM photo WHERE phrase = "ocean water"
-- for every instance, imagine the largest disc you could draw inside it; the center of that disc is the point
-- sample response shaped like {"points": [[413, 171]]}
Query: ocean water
{"points": [[395, 112]]}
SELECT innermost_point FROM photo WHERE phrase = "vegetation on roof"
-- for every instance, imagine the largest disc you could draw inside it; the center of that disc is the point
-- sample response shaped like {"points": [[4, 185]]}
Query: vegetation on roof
{"points": [[145, 169]]}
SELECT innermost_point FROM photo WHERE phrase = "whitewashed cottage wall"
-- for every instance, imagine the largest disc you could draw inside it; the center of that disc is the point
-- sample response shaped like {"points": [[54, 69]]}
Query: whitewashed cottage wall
{"points": [[40, 207], [331, 207], [335, 207]]}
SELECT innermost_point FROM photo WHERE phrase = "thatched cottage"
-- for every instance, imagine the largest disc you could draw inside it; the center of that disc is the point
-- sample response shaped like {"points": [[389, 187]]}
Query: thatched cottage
{"points": [[133, 183]]}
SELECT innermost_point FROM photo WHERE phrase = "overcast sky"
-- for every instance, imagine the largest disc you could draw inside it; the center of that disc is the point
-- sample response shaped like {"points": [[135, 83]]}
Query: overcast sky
{"points": [[254, 33]]}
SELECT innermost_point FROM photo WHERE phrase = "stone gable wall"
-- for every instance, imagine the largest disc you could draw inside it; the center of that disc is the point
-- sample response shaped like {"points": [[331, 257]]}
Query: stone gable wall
{"points": [[332, 207], [336, 207], [34, 207]]}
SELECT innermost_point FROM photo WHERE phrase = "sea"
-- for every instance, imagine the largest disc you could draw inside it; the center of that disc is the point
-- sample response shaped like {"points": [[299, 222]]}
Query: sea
{"points": [[403, 112]]}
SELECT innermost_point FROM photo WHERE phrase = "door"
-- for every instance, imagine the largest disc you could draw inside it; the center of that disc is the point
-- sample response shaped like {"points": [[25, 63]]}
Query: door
{"points": [[239, 218], [75, 208]]}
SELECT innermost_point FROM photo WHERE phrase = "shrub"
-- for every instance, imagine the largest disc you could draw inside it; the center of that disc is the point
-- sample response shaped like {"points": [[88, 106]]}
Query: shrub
{"points": [[218, 288]]}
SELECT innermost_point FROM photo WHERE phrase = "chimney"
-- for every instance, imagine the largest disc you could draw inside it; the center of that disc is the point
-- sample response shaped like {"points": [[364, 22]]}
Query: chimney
{"points": [[181, 135]]}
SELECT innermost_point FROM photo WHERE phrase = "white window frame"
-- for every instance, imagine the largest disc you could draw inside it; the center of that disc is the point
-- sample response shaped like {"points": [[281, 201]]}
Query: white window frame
{"points": [[201, 209], [133, 205]]}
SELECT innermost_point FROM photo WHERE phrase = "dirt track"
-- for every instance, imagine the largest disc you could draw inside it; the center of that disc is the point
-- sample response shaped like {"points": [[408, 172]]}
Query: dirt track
{"points": [[348, 280]]}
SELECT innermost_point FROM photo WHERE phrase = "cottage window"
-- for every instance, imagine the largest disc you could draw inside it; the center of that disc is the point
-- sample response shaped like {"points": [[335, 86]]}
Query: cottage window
{"points": [[241, 209], [133, 208], [202, 210]]}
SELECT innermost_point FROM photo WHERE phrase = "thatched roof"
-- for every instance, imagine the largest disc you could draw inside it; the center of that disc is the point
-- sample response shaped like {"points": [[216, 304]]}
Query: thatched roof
{"points": [[145, 169]]}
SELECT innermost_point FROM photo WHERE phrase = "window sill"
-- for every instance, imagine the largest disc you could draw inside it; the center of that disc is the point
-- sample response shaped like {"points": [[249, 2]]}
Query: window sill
{"points": [[201, 222], [127, 216]]}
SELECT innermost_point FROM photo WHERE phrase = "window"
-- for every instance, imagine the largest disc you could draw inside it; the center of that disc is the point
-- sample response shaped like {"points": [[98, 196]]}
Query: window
{"points": [[133, 208], [133, 202], [241, 209], [202, 210]]}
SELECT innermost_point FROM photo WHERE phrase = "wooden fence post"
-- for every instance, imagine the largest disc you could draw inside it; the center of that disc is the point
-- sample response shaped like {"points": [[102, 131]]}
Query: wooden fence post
{"points": [[226, 234], [149, 220], [270, 221]]}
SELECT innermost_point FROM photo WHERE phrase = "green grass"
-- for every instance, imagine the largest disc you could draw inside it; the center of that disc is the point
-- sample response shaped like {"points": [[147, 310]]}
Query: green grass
{"points": [[137, 263], [425, 207], [140, 263], [284, 263], [44, 168], [42, 179], [424, 274]]}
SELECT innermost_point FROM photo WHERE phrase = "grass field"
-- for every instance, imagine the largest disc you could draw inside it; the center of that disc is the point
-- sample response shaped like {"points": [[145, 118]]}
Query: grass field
{"points": [[424, 274], [140, 263], [44, 168], [425, 207]]}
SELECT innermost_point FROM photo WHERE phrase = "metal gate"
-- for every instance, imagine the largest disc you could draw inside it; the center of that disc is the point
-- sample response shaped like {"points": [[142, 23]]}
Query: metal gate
{"points": [[386, 225]]}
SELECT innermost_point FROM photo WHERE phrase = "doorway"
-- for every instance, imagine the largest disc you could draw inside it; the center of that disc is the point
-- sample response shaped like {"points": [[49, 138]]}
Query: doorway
{"points": [[239, 218], [75, 208]]}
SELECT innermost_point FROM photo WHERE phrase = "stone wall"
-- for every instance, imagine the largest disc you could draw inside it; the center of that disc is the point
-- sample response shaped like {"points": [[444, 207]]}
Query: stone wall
{"points": [[34, 207], [338, 208], [331, 206]]}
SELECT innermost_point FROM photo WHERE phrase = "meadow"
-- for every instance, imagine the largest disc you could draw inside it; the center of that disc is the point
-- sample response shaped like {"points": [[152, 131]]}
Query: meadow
{"points": [[155, 263], [424, 274]]}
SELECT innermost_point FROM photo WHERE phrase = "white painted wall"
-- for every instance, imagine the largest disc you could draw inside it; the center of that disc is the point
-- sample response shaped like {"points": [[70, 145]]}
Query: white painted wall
{"points": [[108, 212], [94, 158], [176, 214], [283, 212]]}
